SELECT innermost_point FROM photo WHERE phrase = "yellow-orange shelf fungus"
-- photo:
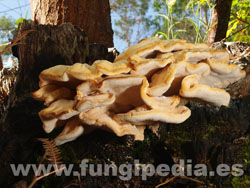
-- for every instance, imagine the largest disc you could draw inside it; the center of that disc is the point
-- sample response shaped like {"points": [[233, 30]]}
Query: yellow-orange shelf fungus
{"points": [[150, 82], [192, 89]]}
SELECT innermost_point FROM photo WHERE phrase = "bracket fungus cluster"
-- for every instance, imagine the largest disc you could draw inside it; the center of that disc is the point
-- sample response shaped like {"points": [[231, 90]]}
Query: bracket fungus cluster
{"points": [[149, 83]]}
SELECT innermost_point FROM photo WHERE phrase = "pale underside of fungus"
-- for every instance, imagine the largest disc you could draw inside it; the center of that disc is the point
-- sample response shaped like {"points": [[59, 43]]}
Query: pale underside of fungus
{"points": [[145, 85]]}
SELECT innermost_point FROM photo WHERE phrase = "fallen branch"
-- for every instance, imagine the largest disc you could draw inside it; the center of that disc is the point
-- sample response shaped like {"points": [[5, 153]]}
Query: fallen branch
{"points": [[15, 41]]}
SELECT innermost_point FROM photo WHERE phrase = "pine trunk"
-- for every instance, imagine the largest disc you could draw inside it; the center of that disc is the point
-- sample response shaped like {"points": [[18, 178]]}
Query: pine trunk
{"points": [[93, 16]]}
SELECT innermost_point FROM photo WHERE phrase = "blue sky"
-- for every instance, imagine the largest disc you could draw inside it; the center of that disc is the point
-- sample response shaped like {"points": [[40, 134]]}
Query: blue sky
{"points": [[10, 8], [7, 5]]}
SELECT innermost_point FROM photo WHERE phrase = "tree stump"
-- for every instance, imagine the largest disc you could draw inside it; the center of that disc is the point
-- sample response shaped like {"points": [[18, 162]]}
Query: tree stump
{"points": [[210, 136], [43, 47]]}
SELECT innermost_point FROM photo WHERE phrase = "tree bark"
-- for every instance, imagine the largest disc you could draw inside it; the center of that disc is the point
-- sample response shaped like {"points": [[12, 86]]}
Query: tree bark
{"points": [[93, 16], [45, 46], [42, 48], [219, 21], [1, 63]]}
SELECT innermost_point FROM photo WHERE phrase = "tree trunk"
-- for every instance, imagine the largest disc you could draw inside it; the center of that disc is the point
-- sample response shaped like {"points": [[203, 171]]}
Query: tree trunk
{"points": [[219, 21], [42, 48], [1, 63], [93, 16]]}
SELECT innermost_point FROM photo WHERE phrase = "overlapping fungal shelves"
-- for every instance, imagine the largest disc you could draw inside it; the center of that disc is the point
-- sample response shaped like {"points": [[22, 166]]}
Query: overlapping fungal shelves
{"points": [[148, 83]]}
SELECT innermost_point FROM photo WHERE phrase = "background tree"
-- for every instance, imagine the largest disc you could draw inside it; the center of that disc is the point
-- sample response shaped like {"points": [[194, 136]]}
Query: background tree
{"points": [[7, 27], [220, 20]]}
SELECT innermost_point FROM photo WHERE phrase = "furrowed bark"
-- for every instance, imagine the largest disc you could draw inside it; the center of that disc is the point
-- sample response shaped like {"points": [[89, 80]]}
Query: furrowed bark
{"points": [[93, 16]]}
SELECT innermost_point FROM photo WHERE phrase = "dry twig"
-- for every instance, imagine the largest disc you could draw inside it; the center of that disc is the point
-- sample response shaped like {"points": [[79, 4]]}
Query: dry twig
{"points": [[53, 156], [15, 41]]}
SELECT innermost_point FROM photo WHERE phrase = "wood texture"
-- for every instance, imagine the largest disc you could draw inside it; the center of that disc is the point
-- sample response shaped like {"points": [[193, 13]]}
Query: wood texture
{"points": [[93, 16], [46, 46], [42, 48]]}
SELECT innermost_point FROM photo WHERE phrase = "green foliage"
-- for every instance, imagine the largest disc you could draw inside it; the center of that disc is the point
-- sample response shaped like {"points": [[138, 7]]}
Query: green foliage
{"points": [[243, 181], [171, 21], [170, 24], [188, 19], [20, 20], [239, 25], [7, 25], [8, 28], [201, 12]]}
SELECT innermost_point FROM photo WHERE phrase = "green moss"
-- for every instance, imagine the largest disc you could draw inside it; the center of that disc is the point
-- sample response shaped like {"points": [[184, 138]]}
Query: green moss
{"points": [[209, 132], [69, 154], [243, 181], [176, 137], [246, 153], [47, 182], [139, 147]]}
